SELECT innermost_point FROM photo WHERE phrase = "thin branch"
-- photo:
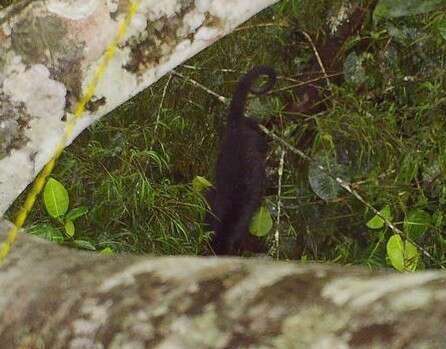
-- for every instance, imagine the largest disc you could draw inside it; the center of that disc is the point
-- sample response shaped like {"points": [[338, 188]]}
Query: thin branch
{"points": [[319, 60], [225, 70], [262, 25], [204, 88], [306, 82], [279, 199]]}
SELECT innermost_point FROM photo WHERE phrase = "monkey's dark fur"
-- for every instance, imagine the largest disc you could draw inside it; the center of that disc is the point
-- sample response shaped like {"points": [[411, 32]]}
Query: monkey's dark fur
{"points": [[240, 172]]}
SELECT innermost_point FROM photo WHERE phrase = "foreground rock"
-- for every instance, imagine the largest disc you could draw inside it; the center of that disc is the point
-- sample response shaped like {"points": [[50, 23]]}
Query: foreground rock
{"points": [[55, 297]]}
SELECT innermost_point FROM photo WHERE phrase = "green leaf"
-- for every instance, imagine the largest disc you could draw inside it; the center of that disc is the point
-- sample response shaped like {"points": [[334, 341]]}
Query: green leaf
{"points": [[322, 184], [403, 256], [399, 8], [377, 222], [262, 222], [354, 71], [55, 197], [395, 252], [440, 26], [107, 251], [416, 223], [200, 183], [69, 228], [75, 213], [411, 256], [86, 245]]}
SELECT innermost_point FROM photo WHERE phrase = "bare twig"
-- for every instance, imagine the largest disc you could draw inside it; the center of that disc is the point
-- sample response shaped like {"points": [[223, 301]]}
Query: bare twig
{"points": [[319, 60], [279, 200], [306, 82], [262, 25], [225, 70], [381, 176], [204, 88]]}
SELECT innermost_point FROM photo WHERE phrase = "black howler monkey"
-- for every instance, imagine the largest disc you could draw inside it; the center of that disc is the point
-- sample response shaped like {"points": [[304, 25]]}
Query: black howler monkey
{"points": [[240, 172]]}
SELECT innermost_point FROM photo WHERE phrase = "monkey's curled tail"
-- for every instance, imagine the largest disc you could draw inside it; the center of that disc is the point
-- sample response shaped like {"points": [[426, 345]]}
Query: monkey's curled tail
{"points": [[246, 85]]}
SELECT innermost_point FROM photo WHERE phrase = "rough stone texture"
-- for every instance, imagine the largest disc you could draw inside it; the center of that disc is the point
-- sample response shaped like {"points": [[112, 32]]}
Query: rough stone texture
{"points": [[53, 297], [49, 51]]}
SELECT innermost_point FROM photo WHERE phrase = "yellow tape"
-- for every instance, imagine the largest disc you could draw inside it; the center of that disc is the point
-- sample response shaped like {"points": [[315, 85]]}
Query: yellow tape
{"points": [[79, 110]]}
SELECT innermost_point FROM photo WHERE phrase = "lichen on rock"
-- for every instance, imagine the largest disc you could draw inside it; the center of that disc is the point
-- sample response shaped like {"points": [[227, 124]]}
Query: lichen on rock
{"points": [[34, 87], [13, 123], [167, 26]]}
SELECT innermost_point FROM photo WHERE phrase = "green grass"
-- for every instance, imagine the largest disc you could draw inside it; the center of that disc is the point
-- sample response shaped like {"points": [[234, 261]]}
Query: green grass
{"points": [[384, 132]]}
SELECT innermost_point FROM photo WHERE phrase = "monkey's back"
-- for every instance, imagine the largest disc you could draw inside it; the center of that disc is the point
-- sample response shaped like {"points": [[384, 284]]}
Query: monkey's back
{"points": [[240, 172], [240, 180]]}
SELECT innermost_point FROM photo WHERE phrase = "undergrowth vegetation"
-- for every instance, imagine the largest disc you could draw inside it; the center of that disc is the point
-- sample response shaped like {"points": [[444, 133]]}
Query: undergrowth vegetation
{"points": [[383, 132]]}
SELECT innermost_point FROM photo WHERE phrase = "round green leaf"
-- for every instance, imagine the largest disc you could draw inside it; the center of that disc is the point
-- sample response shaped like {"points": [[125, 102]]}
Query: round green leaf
{"points": [[377, 222], [55, 197], [354, 70], [262, 222], [395, 252], [107, 251], [200, 183], [69, 228], [416, 223], [323, 184], [411, 256]]}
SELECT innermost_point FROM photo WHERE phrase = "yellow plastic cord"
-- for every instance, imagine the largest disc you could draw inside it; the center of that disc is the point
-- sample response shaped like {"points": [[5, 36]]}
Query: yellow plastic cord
{"points": [[39, 183]]}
